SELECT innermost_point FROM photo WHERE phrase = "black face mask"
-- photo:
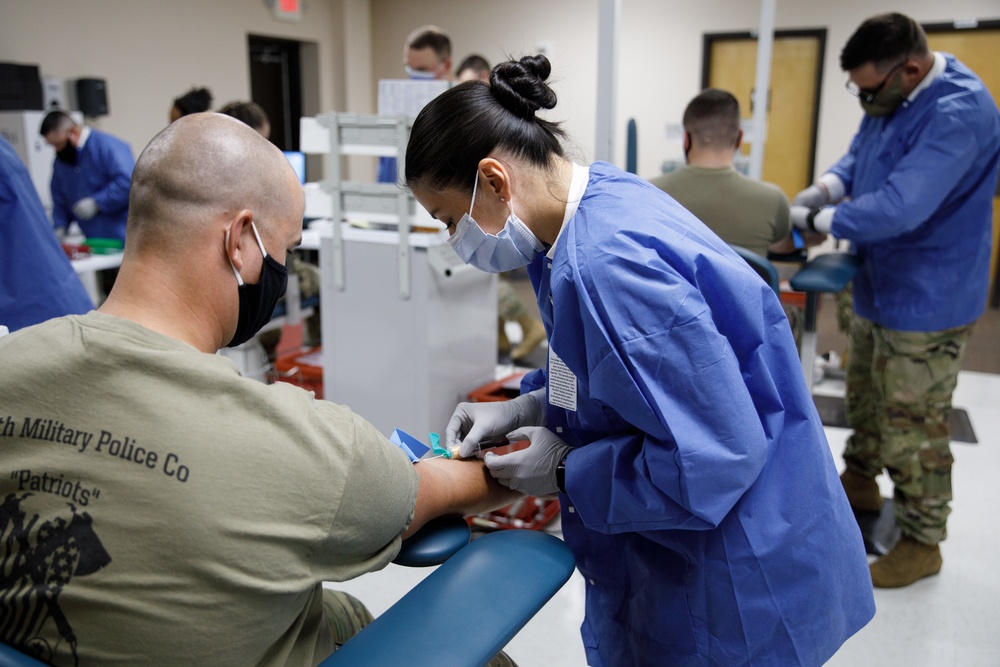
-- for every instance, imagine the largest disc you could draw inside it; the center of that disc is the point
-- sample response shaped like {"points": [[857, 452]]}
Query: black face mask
{"points": [[68, 153], [257, 301]]}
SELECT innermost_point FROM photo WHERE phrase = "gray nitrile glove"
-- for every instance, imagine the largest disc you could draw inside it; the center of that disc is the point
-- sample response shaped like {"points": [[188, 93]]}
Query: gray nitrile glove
{"points": [[532, 470], [800, 216], [472, 422], [813, 197], [818, 222], [85, 209], [822, 221]]}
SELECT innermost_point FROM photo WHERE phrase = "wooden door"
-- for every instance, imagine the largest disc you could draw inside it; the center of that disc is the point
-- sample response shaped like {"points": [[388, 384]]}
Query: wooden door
{"points": [[793, 109], [979, 48]]}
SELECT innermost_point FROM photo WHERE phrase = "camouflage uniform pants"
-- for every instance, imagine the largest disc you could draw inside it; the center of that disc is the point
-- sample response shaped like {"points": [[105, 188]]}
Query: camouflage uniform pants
{"points": [[347, 615], [845, 306], [509, 304], [899, 387]]}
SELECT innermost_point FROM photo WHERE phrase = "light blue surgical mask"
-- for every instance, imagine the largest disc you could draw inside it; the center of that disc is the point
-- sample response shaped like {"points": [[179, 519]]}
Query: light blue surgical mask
{"points": [[515, 246], [418, 75]]}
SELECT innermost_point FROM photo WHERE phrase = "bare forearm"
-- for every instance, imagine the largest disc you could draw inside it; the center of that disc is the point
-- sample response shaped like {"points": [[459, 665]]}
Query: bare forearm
{"points": [[456, 487]]}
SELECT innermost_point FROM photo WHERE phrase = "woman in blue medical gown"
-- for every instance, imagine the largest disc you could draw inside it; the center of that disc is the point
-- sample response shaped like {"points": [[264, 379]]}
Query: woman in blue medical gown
{"points": [[697, 487], [37, 281]]}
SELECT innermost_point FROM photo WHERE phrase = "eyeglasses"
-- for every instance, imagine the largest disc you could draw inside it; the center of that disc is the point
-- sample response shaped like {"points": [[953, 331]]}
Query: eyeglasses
{"points": [[868, 95]]}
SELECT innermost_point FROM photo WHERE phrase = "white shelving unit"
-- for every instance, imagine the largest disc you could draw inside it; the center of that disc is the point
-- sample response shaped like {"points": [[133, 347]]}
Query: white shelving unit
{"points": [[408, 328]]}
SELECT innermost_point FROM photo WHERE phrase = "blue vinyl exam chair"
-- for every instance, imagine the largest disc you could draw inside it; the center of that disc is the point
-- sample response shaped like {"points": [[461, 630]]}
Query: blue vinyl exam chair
{"points": [[501, 580]]}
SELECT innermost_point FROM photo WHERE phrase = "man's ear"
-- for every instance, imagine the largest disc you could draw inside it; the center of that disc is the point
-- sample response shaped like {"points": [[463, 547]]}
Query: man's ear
{"points": [[687, 141], [497, 177], [739, 139], [237, 231], [913, 74]]}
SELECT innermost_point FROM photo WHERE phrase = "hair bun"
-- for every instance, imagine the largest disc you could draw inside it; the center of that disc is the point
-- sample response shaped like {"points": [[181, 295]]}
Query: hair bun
{"points": [[520, 85]]}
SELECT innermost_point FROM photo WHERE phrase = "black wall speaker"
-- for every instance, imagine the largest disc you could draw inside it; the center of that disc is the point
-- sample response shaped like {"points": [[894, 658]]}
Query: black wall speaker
{"points": [[92, 97]]}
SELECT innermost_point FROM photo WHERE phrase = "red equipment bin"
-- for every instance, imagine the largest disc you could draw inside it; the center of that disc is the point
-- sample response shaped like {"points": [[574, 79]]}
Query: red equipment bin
{"points": [[303, 369]]}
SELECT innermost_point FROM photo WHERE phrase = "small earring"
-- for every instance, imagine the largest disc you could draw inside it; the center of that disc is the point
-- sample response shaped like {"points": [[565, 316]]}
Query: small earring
{"points": [[502, 199]]}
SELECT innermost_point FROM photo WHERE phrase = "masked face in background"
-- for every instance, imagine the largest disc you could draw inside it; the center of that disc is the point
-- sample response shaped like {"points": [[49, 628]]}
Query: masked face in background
{"points": [[68, 154], [886, 100], [61, 141]]}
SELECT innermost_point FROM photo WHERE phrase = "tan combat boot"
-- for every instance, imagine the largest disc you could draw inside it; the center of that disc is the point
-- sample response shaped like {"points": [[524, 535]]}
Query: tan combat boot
{"points": [[905, 563], [862, 492], [532, 335]]}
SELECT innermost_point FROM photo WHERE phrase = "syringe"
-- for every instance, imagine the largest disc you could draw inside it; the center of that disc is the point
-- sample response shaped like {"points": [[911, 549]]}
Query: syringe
{"points": [[484, 444]]}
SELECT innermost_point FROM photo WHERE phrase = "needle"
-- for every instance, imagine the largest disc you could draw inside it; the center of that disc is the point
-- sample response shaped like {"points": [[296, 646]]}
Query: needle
{"points": [[485, 443]]}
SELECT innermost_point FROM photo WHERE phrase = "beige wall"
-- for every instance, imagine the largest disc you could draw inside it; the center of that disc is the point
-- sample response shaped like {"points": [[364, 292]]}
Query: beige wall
{"points": [[151, 52], [659, 58], [498, 30]]}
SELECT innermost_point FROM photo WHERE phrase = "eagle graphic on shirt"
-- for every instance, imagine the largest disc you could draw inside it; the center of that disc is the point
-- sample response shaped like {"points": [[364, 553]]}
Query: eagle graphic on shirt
{"points": [[38, 560]]}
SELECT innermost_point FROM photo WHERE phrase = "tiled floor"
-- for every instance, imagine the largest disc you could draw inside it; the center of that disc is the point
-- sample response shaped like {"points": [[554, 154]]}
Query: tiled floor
{"points": [[950, 620]]}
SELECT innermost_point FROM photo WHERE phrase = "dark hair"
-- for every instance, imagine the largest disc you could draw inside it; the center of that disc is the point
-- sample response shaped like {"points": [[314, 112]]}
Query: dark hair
{"points": [[250, 113], [195, 100], [883, 40], [713, 118], [433, 38], [464, 124], [475, 62], [55, 120]]}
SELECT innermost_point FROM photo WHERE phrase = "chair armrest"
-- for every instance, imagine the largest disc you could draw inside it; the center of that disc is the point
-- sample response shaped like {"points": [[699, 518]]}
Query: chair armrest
{"points": [[468, 609], [437, 541], [760, 265], [11, 657], [826, 273]]}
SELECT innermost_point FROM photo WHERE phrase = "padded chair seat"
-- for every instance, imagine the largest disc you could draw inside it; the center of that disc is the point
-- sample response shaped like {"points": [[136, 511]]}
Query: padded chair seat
{"points": [[826, 273], [11, 657], [761, 265], [468, 609]]}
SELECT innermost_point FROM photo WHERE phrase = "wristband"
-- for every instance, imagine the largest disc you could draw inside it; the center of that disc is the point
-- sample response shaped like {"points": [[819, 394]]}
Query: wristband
{"points": [[561, 474]]}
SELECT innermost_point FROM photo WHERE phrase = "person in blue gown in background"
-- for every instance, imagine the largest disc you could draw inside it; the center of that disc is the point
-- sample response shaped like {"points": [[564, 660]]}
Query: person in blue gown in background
{"points": [[37, 281]]}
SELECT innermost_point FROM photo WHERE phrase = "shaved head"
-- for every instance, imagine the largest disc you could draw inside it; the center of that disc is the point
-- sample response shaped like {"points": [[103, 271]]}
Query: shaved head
{"points": [[202, 168], [211, 201]]}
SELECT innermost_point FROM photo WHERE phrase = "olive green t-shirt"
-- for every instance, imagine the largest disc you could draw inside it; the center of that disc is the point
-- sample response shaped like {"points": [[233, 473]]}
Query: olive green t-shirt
{"points": [[740, 210], [159, 508]]}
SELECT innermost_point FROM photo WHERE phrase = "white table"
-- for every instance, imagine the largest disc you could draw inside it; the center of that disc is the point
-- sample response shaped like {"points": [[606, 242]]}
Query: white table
{"points": [[87, 269]]}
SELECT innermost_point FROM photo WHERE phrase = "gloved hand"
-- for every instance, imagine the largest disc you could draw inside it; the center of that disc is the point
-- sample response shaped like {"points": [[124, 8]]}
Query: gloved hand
{"points": [[818, 222], [800, 216], [532, 470], [85, 209], [823, 220], [815, 196], [472, 422]]}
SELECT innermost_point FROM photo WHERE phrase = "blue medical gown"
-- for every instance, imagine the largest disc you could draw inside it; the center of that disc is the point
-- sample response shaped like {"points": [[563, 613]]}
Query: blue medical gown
{"points": [[703, 502], [103, 171], [37, 281], [921, 183], [387, 171]]}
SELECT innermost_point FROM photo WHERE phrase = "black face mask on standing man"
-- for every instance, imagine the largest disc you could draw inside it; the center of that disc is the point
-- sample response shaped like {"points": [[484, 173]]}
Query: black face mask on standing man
{"points": [[257, 301], [68, 153]]}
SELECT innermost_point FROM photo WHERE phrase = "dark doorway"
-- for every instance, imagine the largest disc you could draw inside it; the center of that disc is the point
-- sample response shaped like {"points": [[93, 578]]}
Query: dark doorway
{"points": [[276, 85]]}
